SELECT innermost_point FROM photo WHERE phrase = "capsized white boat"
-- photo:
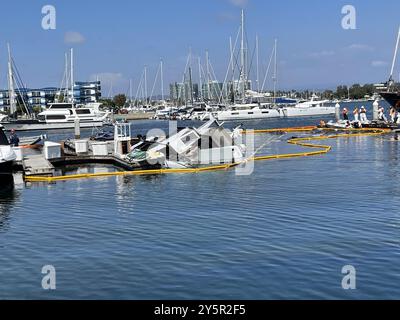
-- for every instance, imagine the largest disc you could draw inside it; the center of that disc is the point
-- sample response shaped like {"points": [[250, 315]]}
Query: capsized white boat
{"points": [[190, 147]]}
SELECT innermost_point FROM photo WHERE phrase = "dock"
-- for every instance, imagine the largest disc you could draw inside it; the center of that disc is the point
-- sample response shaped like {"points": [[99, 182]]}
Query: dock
{"points": [[36, 164], [77, 152]]}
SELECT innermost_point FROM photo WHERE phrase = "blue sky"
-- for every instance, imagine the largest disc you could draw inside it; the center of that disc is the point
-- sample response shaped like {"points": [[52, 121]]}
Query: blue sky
{"points": [[115, 39]]}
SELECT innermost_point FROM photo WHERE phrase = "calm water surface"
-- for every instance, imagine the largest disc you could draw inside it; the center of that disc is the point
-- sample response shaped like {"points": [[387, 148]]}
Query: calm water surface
{"points": [[284, 232]]}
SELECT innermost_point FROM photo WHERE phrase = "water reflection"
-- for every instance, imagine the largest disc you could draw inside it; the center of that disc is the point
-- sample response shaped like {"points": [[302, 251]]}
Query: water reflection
{"points": [[7, 198]]}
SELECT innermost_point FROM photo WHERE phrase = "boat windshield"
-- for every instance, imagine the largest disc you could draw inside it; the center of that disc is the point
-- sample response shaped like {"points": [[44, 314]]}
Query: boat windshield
{"points": [[61, 106], [3, 138]]}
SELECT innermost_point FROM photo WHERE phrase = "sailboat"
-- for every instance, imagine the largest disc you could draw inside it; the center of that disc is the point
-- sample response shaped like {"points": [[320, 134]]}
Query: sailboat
{"points": [[59, 115], [11, 120], [245, 110], [390, 93], [274, 108]]}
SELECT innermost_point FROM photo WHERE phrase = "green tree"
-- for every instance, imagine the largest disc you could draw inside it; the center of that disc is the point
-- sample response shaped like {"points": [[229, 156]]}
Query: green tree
{"points": [[120, 100], [341, 92], [327, 94]]}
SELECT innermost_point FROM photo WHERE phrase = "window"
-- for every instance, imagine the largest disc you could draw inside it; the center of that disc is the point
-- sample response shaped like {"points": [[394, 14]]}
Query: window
{"points": [[235, 113], [265, 112], [189, 138], [55, 117], [37, 100], [250, 112], [61, 106], [82, 111], [37, 94]]}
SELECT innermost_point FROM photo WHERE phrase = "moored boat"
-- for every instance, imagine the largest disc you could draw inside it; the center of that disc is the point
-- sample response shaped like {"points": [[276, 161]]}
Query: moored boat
{"points": [[248, 112], [313, 107], [61, 116], [7, 155]]}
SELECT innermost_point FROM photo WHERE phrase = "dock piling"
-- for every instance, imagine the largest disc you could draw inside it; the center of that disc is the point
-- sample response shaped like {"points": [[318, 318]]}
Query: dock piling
{"points": [[337, 111], [77, 128], [375, 110]]}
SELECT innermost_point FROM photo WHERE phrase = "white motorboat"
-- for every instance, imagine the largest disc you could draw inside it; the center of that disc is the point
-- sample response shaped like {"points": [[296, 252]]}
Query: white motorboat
{"points": [[62, 116], [341, 124], [314, 107], [7, 155], [264, 111], [165, 113], [248, 112]]}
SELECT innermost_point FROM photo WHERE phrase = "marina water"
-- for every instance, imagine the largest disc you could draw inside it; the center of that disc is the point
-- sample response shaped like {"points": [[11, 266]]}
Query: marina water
{"points": [[283, 232]]}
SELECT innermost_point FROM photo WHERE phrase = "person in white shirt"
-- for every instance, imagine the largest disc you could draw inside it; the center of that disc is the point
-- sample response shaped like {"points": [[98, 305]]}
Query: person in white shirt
{"points": [[356, 114], [381, 114], [393, 115], [363, 115]]}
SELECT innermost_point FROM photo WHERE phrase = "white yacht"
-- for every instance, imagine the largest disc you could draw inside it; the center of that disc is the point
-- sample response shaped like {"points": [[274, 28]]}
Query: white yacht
{"points": [[314, 107], [165, 113], [7, 155], [248, 112], [62, 116]]}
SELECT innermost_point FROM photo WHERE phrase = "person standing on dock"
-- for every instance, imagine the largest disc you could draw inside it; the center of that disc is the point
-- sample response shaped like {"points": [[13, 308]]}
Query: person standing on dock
{"points": [[381, 114], [14, 140], [345, 114], [393, 115], [363, 115], [356, 114]]}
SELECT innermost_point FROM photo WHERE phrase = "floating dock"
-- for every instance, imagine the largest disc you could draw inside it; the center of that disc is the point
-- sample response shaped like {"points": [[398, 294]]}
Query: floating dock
{"points": [[36, 164]]}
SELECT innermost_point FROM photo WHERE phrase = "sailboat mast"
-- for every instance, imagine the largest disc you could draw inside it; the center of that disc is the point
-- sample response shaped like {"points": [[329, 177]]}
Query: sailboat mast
{"points": [[190, 76], [66, 79], [145, 84], [242, 60], [200, 80], [191, 85], [257, 66], [72, 75], [162, 79], [208, 75], [395, 56], [232, 68], [11, 89], [130, 92], [275, 68]]}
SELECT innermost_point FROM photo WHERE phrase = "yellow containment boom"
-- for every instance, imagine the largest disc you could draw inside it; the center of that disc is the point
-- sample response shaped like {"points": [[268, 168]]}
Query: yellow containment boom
{"points": [[303, 142]]}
